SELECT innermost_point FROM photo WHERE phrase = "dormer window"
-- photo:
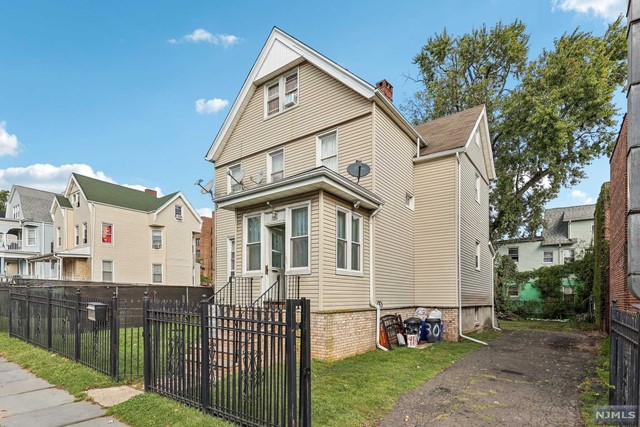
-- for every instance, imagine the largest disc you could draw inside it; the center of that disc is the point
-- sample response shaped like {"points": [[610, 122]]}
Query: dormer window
{"points": [[281, 94]]}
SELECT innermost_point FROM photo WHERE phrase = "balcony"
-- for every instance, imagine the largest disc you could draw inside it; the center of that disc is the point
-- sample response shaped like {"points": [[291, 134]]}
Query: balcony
{"points": [[14, 246]]}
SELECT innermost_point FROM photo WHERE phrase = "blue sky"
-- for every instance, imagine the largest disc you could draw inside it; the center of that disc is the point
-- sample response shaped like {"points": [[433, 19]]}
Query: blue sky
{"points": [[134, 92]]}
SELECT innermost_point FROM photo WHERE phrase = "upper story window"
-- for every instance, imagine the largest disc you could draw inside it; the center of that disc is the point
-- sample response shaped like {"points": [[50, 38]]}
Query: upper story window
{"points": [[281, 94], [568, 255], [31, 237], [478, 187], [275, 165], [177, 210], [327, 150], [410, 201], [76, 234], [547, 257], [234, 179], [75, 199], [197, 241], [156, 239], [349, 231], [85, 233], [477, 257], [107, 233], [514, 254], [16, 211], [59, 236]]}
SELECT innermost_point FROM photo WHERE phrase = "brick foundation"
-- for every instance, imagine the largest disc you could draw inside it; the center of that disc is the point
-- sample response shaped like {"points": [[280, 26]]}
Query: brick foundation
{"points": [[336, 335]]}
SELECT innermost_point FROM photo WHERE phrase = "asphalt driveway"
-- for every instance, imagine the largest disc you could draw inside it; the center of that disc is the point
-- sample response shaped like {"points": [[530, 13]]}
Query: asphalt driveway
{"points": [[524, 378]]}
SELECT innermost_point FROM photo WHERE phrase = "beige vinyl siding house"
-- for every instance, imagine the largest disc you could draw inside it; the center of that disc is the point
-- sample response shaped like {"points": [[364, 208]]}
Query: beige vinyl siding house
{"points": [[388, 242], [131, 236]]}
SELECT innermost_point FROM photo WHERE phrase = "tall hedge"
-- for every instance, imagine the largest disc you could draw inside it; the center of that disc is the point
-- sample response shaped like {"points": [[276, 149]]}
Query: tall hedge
{"points": [[601, 252]]}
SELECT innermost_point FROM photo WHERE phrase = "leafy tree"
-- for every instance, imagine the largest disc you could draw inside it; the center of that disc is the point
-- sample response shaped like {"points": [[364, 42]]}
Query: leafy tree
{"points": [[4, 195], [601, 254], [548, 117], [505, 273]]}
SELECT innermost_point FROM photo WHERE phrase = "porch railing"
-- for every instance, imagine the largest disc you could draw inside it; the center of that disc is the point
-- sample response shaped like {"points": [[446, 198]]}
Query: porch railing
{"points": [[284, 288], [237, 291]]}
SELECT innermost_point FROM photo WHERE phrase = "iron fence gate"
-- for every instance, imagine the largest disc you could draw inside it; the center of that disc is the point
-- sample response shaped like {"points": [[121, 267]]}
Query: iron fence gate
{"points": [[51, 319], [246, 364], [624, 374]]}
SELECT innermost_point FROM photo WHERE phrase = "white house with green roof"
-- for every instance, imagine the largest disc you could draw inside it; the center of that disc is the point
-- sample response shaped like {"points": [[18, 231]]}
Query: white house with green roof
{"points": [[109, 233]]}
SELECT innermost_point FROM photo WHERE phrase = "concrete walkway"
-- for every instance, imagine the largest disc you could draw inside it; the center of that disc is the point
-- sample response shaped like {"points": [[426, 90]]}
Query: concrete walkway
{"points": [[26, 400]]}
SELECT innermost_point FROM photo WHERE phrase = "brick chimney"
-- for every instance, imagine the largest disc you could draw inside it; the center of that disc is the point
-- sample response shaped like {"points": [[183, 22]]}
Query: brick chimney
{"points": [[386, 89], [154, 193]]}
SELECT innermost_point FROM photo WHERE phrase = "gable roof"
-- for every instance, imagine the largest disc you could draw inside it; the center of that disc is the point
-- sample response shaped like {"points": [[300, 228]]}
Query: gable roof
{"points": [[107, 193], [449, 132], [288, 50], [34, 203], [556, 229]]}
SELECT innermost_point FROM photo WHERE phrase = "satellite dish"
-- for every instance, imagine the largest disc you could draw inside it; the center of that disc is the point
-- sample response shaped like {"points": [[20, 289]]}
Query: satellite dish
{"points": [[207, 187], [239, 176], [259, 177], [358, 169]]}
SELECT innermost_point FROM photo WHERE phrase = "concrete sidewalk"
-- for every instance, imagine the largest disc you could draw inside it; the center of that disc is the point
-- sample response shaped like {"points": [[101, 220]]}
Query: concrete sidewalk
{"points": [[26, 400]]}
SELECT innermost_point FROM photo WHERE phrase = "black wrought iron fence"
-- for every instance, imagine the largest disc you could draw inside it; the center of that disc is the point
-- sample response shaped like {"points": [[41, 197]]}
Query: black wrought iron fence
{"points": [[49, 318], [247, 364], [4, 308], [624, 374], [284, 288]]}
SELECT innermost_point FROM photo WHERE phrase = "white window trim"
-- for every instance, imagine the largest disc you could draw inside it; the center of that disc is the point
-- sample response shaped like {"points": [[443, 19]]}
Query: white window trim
{"points": [[35, 237], [478, 259], [547, 262], [412, 201], [319, 146], [113, 233], [161, 239], [113, 270], [348, 271], [245, 252], [161, 273], [76, 235], [509, 255], [229, 177], [229, 247], [478, 188], [175, 215], [281, 91], [85, 232], [269, 163], [287, 239]]}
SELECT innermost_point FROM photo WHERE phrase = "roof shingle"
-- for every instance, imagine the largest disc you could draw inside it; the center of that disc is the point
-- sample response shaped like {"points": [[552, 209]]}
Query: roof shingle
{"points": [[449, 132]]}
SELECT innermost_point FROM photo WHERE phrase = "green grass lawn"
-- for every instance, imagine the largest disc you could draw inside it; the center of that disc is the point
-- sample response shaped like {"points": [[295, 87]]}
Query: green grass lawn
{"points": [[594, 390], [360, 390], [58, 370], [547, 326]]}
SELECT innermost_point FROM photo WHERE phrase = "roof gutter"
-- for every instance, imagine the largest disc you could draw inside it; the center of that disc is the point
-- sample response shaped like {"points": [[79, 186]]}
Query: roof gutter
{"points": [[439, 154]]}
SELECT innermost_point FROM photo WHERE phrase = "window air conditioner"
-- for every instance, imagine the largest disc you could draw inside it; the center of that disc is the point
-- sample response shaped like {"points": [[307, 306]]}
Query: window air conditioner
{"points": [[290, 100]]}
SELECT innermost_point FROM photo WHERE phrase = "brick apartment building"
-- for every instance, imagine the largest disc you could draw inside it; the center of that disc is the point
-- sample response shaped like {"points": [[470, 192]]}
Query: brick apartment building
{"points": [[618, 242], [205, 249]]}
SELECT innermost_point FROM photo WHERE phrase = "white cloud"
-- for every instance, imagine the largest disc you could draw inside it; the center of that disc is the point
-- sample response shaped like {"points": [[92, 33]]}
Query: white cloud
{"points": [[54, 178], [608, 10], [201, 35], [581, 196], [8, 142], [204, 212], [214, 105]]}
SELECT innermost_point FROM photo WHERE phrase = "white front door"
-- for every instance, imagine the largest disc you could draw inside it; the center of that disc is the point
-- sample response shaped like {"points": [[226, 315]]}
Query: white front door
{"points": [[276, 254]]}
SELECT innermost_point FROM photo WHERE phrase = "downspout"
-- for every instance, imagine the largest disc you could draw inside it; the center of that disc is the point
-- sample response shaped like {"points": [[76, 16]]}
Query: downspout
{"points": [[375, 304], [460, 334]]}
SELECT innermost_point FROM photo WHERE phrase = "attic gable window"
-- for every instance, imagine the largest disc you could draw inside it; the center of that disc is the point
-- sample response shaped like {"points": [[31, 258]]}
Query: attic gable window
{"points": [[281, 94], [177, 210]]}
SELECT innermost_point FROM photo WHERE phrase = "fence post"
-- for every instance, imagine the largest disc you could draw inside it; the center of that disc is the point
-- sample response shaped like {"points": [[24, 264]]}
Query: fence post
{"points": [[10, 313], [49, 319], [78, 331], [290, 362], [28, 317], [613, 377], [204, 349], [146, 338], [305, 364], [115, 338]]}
